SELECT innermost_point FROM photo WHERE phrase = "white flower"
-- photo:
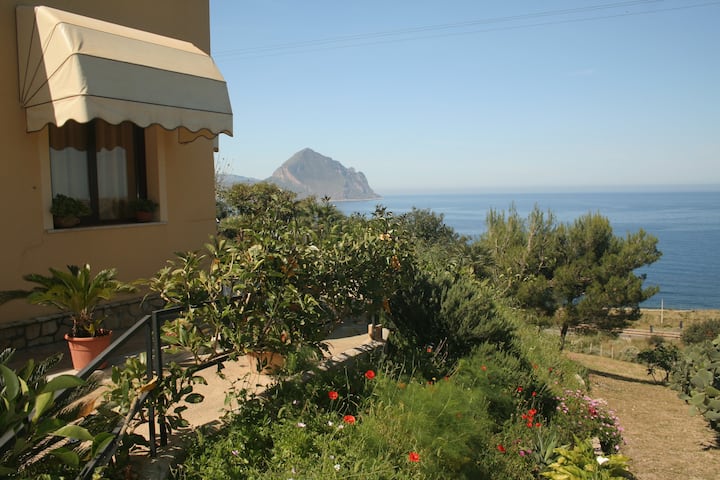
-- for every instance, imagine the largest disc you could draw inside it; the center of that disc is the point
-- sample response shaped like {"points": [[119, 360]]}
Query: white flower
{"points": [[330, 423], [301, 425], [337, 467], [600, 459]]}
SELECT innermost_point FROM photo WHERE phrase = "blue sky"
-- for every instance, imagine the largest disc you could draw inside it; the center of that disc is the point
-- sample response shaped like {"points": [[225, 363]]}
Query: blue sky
{"points": [[423, 95]]}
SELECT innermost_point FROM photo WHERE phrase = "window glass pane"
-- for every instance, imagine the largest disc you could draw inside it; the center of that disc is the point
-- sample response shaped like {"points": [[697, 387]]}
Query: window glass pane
{"points": [[68, 161], [99, 163], [114, 146]]}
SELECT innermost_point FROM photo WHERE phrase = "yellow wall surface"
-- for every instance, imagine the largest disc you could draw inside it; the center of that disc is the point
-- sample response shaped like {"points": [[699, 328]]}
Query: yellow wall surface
{"points": [[180, 176]]}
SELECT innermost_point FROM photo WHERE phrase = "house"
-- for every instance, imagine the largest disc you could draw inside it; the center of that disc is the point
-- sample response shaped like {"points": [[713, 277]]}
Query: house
{"points": [[106, 102]]}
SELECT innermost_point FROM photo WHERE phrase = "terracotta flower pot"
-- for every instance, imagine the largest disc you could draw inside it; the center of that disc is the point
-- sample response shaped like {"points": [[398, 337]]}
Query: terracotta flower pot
{"points": [[65, 222], [83, 350], [144, 217]]}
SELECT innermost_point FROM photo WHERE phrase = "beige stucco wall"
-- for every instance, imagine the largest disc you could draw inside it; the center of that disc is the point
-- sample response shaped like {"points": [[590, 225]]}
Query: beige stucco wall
{"points": [[180, 175]]}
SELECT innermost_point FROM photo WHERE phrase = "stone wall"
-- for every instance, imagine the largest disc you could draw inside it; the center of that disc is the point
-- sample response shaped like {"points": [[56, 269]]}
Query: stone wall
{"points": [[49, 329]]}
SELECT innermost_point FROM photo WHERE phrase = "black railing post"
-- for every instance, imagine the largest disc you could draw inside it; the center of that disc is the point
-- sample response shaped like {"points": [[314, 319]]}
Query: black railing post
{"points": [[159, 372], [149, 375]]}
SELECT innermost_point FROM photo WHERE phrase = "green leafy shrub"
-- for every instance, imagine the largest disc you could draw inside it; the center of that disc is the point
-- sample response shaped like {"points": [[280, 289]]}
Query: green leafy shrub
{"points": [[699, 332], [64, 206], [449, 315], [353, 424], [499, 374], [581, 463], [662, 357], [40, 435]]}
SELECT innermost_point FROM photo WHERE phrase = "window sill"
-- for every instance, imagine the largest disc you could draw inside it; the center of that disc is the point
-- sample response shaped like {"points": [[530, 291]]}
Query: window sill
{"points": [[106, 227]]}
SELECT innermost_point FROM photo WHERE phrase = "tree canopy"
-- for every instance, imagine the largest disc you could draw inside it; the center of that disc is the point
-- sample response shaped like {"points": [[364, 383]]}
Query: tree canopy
{"points": [[579, 272]]}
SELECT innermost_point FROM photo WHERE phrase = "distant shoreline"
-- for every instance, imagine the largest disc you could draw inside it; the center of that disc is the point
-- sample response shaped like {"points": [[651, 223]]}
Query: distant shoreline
{"points": [[355, 199], [680, 310]]}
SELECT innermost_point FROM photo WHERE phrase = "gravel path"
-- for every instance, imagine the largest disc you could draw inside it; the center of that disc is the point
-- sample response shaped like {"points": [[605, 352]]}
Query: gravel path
{"points": [[663, 440]]}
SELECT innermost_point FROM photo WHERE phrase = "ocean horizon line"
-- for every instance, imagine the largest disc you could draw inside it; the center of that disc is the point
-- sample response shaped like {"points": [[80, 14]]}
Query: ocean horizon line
{"points": [[560, 189]]}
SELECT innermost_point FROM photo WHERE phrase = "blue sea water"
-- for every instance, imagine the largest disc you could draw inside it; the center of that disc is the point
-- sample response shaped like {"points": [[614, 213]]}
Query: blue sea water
{"points": [[687, 225]]}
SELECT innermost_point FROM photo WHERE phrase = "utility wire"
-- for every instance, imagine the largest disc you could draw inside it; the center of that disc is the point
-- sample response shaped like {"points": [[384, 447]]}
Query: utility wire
{"points": [[404, 31], [385, 37]]}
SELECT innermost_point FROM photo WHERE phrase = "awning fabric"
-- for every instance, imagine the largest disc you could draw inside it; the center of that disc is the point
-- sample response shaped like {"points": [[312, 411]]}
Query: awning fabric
{"points": [[73, 67]]}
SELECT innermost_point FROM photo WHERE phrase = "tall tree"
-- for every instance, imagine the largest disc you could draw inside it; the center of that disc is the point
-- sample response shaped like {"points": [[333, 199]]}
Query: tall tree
{"points": [[579, 272]]}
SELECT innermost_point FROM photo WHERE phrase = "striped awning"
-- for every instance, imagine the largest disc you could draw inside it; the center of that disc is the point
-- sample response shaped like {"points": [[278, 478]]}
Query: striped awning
{"points": [[73, 67]]}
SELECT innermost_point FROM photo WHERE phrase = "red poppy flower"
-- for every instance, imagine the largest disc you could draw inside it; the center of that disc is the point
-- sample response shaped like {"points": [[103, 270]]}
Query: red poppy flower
{"points": [[413, 457], [501, 449], [349, 419], [534, 394], [519, 389], [483, 368], [369, 374], [333, 395], [537, 425]]}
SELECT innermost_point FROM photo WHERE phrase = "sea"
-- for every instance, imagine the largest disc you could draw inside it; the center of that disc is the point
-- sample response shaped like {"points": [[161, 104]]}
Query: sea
{"points": [[686, 223]]}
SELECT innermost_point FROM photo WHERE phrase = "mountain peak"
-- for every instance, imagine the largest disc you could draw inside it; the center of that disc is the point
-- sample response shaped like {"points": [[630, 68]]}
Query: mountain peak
{"points": [[308, 172]]}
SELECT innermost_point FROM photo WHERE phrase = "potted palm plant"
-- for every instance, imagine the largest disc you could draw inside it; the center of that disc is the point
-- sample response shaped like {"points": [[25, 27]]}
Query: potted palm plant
{"points": [[67, 211], [78, 292]]}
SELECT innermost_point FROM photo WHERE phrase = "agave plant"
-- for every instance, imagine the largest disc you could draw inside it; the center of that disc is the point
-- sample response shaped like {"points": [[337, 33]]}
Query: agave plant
{"points": [[76, 291]]}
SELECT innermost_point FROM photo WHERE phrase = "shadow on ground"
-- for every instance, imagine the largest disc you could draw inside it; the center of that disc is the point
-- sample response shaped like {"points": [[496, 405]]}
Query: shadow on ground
{"points": [[622, 378]]}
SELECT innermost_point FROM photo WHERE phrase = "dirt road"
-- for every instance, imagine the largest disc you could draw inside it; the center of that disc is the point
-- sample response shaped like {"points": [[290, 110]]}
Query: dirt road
{"points": [[663, 439]]}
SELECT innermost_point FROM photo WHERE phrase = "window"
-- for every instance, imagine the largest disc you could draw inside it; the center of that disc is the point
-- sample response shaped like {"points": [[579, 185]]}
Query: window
{"points": [[100, 164]]}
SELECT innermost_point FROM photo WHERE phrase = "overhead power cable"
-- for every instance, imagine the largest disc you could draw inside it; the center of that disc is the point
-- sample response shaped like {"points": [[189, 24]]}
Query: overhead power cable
{"points": [[411, 33]]}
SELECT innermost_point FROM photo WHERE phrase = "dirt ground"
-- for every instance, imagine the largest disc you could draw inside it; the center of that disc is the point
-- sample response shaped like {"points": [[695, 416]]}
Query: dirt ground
{"points": [[663, 440]]}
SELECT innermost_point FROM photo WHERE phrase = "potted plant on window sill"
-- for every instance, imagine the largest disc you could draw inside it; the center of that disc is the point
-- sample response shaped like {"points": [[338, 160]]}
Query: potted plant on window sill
{"points": [[78, 293], [67, 211], [144, 209]]}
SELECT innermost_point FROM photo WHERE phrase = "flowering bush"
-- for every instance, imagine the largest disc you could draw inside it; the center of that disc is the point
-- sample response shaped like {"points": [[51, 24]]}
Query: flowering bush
{"points": [[586, 417]]}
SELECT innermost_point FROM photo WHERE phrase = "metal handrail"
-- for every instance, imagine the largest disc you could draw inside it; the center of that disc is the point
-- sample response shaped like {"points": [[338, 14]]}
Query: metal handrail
{"points": [[154, 367]]}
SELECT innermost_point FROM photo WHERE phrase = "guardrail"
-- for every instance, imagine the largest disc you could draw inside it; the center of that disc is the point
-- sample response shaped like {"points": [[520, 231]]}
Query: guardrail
{"points": [[151, 324], [636, 332]]}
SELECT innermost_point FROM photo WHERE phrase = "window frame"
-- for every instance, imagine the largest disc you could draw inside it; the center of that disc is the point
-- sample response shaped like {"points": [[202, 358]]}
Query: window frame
{"points": [[139, 165]]}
